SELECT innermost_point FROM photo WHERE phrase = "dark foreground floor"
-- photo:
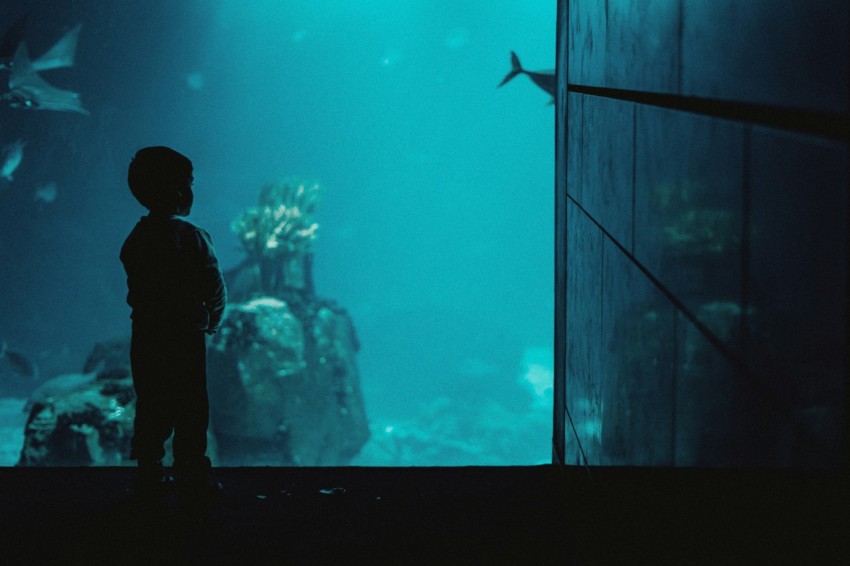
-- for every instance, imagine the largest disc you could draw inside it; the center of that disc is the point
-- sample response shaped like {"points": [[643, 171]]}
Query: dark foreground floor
{"points": [[517, 515]]}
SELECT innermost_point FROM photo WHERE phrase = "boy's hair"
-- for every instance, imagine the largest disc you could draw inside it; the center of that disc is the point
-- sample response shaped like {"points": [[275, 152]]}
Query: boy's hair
{"points": [[155, 174]]}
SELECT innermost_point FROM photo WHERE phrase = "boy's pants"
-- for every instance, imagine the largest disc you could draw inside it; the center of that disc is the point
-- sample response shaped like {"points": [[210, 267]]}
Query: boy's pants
{"points": [[170, 378]]}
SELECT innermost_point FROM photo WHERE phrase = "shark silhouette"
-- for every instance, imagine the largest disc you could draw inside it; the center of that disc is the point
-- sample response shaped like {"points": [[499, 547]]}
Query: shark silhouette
{"points": [[27, 89], [544, 80]]}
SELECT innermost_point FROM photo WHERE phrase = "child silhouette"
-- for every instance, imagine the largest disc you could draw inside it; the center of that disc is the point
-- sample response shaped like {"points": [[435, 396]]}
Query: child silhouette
{"points": [[177, 294]]}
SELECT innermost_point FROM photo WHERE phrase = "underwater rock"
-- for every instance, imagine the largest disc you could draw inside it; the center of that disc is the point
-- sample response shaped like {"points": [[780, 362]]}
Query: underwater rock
{"points": [[84, 419], [90, 425], [284, 386], [57, 387]]}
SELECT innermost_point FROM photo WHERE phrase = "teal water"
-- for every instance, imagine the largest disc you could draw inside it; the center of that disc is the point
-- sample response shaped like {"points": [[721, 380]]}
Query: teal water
{"points": [[436, 223]]}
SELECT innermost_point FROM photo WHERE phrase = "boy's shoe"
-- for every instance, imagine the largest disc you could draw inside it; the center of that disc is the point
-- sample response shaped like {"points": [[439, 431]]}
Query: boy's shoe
{"points": [[151, 488], [201, 489], [151, 481]]}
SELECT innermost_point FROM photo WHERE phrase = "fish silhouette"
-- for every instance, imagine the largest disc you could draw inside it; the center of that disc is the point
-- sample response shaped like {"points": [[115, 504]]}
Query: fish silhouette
{"points": [[19, 363], [59, 56], [28, 90], [544, 80], [13, 154]]}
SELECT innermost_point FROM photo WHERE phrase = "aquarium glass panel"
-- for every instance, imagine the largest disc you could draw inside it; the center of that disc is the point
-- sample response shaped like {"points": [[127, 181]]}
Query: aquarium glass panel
{"points": [[380, 205]]}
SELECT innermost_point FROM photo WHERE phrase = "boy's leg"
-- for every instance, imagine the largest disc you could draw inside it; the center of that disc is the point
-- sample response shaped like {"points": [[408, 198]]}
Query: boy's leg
{"points": [[153, 421], [152, 425], [192, 414]]}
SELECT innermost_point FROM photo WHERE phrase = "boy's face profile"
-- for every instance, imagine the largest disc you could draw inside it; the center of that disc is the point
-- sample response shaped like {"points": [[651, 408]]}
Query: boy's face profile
{"points": [[185, 196]]}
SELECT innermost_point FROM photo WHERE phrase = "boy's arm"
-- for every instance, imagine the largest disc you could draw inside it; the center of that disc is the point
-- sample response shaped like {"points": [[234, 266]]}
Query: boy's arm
{"points": [[212, 289]]}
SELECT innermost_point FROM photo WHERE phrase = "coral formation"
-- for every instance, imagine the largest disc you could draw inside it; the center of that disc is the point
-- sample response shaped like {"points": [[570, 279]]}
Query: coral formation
{"points": [[281, 225], [278, 235]]}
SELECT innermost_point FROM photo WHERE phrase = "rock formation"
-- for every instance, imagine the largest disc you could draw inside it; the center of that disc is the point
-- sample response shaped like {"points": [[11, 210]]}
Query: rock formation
{"points": [[283, 383]]}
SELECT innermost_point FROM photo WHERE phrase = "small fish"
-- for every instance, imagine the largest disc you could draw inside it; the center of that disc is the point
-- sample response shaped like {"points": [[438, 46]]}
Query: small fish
{"points": [[13, 154], [544, 80], [19, 363], [46, 193]]}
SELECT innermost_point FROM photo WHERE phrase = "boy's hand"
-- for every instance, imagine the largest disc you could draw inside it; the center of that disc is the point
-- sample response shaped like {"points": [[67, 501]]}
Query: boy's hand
{"points": [[211, 330]]}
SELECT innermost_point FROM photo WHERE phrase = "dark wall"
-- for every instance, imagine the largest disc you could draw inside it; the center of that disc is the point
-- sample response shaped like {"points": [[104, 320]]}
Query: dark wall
{"points": [[703, 225]]}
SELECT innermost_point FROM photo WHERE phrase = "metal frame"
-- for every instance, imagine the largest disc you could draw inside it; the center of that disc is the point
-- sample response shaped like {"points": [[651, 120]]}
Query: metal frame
{"points": [[560, 334]]}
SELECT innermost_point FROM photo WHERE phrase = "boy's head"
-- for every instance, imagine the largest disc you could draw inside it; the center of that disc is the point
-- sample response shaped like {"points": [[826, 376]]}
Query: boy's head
{"points": [[161, 180]]}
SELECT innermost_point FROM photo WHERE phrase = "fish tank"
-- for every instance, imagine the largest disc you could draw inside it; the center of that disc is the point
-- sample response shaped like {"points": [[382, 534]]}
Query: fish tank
{"points": [[377, 179]]}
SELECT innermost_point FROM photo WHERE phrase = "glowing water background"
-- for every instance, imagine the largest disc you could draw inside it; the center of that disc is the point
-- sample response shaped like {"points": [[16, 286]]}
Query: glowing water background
{"points": [[435, 229]]}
